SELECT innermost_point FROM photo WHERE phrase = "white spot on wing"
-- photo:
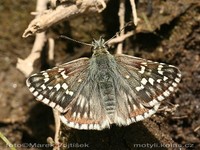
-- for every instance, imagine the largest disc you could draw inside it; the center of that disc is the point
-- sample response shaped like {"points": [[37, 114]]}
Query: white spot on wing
{"points": [[79, 80], [71, 93], [174, 84], [158, 80], [46, 80], [91, 126], [142, 70], [97, 127], [160, 98], [141, 106], [59, 108], [139, 118], [151, 81], [153, 102], [43, 86], [160, 72], [177, 80], [64, 86], [50, 87], [145, 63], [165, 78], [134, 107], [60, 69], [179, 75], [35, 93], [84, 126], [32, 89], [52, 104], [78, 115], [160, 67], [128, 121], [40, 97], [127, 76], [46, 101], [82, 102], [45, 74], [144, 81], [166, 93], [57, 86], [171, 89], [139, 88], [64, 75], [85, 115], [133, 119], [76, 126], [71, 124], [74, 115]]}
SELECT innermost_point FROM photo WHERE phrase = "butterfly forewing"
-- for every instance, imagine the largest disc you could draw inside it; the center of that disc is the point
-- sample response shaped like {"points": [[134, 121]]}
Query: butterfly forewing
{"points": [[58, 86], [144, 85]]}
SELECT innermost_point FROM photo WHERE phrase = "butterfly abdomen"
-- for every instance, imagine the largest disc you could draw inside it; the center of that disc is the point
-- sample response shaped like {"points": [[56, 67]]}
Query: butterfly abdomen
{"points": [[107, 92]]}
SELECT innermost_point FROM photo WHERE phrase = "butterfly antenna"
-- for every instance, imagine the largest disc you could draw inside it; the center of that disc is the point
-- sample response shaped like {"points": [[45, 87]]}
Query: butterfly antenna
{"points": [[117, 33], [68, 38]]}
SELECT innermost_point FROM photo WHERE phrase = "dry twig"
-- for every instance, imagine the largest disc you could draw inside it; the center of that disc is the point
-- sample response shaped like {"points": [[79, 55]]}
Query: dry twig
{"points": [[121, 15], [52, 16], [26, 65], [134, 12]]}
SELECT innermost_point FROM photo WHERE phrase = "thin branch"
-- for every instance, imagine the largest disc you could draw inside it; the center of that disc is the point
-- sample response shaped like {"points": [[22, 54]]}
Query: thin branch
{"points": [[120, 38], [50, 17], [57, 129], [121, 15], [26, 65], [134, 12], [51, 49], [7, 141]]}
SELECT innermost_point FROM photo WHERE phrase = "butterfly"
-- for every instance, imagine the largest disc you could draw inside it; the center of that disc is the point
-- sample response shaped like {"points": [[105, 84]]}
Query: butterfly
{"points": [[93, 94]]}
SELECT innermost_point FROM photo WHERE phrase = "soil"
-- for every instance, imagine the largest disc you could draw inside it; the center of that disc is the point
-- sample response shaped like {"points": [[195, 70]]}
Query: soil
{"points": [[168, 31]]}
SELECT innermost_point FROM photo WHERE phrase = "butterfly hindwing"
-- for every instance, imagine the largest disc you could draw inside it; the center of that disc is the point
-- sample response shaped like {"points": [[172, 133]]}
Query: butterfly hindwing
{"points": [[86, 111]]}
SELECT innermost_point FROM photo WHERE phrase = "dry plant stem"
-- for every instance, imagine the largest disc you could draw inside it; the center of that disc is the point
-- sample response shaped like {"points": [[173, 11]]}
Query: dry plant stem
{"points": [[120, 38], [53, 16], [8, 143], [26, 65], [134, 12], [121, 15], [197, 128], [51, 48], [57, 129]]}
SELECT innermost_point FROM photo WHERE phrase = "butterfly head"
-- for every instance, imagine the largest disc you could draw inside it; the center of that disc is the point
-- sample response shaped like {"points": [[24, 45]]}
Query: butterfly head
{"points": [[99, 47]]}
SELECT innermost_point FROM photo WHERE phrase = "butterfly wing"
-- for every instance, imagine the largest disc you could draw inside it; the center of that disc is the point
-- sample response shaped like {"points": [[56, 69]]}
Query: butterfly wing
{"points": [[143, 85], [57, 87], [87, 111], [68, 89]]}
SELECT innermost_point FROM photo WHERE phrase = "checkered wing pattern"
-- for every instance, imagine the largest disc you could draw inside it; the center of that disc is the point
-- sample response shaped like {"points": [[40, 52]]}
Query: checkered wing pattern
{"points": [[57, 87], [143, 85], [93, 94], [69, 89]]}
